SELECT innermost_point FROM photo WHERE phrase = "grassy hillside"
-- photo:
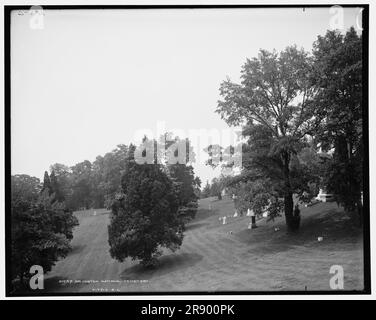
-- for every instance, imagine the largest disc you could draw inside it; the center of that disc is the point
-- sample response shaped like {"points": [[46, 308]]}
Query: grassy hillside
{"points": [[216, 257]]}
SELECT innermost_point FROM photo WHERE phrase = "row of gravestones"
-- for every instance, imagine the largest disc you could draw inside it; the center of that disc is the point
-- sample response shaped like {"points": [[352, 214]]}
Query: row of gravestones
{"points": [[250, 213]]}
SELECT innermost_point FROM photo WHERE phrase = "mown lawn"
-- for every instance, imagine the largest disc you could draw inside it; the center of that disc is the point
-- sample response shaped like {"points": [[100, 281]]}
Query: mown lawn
{"points": [[216, 257]]}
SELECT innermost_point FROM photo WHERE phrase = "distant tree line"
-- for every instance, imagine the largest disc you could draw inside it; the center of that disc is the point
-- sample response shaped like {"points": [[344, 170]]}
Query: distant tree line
{"points": [[95, 184], [88, 184], [215, 188]]}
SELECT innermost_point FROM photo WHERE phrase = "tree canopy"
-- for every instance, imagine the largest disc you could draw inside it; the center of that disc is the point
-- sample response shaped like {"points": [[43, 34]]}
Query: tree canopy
{"points": [[338, 77], [145, 217], [293, 105], [41, 227], [273, 103]]}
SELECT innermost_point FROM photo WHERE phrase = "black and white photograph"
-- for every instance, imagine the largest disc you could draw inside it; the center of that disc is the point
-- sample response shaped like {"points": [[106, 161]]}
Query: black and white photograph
{"points": [[186, 150]]}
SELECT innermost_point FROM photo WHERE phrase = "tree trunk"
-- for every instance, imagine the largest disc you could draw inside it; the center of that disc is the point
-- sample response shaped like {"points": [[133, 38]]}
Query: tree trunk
{"points": [[291, 221], [289, 208], [253, 218]]}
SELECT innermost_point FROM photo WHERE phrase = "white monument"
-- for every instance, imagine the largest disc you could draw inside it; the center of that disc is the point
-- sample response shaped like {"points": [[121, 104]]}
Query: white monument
{"points": [[250, 213], [323, 196]]}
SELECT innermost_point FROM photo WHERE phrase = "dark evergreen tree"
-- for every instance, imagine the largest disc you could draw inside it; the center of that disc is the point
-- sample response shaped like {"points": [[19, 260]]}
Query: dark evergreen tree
{"points": [[56, 188], [47, 183], [145, 216]]}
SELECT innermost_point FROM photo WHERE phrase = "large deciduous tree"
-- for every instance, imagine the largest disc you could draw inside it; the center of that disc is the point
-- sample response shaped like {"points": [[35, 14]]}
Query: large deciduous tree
{"points": [[216, 188], [41, 228], [25, 189], [82, 185], [273, 103], [338, 76], [107, 171]]}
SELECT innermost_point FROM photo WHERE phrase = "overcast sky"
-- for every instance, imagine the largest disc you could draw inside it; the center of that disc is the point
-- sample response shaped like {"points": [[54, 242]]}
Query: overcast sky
{"points": [[91, 79]]}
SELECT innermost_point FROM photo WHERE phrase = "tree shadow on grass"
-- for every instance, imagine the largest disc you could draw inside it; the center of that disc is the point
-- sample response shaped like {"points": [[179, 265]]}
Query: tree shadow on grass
{"points": [[203, 214], [77, 249], [336, 228], [166, 264], [192, 226]]}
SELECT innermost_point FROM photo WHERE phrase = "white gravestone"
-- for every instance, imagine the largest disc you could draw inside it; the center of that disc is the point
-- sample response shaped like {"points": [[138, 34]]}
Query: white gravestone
{"points": [[250, 213]]}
